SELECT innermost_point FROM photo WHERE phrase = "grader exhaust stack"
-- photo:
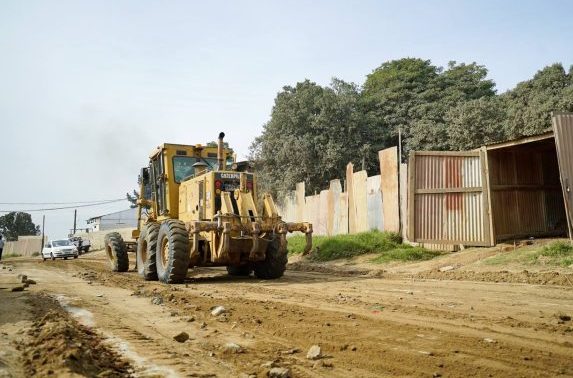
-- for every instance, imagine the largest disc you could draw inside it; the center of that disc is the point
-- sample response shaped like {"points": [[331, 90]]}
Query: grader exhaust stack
{"points": [[201, 213], [221, 152]]}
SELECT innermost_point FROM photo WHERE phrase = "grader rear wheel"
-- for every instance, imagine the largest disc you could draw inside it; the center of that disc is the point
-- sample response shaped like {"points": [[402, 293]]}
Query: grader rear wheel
{"points": [[116, 252], [146, 252], [172, 254]]}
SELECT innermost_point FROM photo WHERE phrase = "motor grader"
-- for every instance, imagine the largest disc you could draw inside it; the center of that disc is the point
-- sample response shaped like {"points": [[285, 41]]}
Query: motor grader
{"points": [[198, 207]]}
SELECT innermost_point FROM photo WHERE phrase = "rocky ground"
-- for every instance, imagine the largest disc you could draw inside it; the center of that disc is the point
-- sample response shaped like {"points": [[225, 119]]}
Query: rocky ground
{"points": [[448, 317]]}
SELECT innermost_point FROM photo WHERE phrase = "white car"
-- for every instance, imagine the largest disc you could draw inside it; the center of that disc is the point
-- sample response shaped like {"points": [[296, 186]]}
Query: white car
{"points": [[59, 249]]}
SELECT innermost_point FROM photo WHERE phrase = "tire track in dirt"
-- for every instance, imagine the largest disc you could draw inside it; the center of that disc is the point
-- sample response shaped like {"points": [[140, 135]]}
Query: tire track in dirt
{"points": [[397, 327]]}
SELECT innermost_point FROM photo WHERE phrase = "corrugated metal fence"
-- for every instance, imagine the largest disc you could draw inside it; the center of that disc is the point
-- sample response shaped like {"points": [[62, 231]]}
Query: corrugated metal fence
{"points": [[448, 200]]}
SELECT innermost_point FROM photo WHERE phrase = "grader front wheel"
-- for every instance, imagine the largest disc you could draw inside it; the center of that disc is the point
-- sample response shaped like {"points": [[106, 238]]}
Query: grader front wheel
{"points": [[116, 252], [172, 254], [146, 252], [274, 264]]}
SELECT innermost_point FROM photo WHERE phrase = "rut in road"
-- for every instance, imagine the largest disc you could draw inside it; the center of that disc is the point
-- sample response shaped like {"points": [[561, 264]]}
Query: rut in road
{"points": [[365, 326]]}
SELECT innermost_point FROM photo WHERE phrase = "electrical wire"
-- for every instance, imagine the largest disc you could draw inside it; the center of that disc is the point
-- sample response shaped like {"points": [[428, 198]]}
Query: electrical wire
{"points": [[64, 207], [60, 203]]}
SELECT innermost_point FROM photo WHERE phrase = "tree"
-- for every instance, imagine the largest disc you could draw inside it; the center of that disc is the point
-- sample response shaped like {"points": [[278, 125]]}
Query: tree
{"points": [[475, 123], [16, 224], [531, 102], [313, 133], [413, 95], [392, 93]]}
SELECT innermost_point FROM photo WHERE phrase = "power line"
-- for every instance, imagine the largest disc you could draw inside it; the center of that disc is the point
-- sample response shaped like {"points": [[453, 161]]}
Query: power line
{"points": [[64, 207], [60, 203]]}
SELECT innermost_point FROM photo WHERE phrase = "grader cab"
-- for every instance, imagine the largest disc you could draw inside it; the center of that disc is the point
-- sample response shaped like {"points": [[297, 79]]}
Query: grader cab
{"points": [[202, 211]]}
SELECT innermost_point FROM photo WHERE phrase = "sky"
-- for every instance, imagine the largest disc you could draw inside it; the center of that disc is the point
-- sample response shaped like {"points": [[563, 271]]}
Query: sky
{"points": [[89, 88]]}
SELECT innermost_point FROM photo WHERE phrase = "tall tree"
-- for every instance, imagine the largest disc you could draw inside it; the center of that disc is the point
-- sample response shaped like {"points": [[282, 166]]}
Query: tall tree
{"points": [[474, 123], [413, 95], [313, 133], [531, 102], [16, 224]]}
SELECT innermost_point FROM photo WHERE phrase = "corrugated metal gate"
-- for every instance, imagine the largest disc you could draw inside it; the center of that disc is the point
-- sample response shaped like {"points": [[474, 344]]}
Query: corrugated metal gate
{"points": [[448, 198], [563, 130]]}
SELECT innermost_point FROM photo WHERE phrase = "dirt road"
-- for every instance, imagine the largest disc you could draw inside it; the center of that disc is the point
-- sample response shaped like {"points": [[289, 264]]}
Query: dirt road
{"points": [[365, 327]]}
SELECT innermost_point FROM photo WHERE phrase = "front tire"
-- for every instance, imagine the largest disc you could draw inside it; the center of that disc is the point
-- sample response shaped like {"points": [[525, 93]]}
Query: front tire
{"points": [[172, 253], [52, 256], [274, 264], [116, 252], [146, 252]]}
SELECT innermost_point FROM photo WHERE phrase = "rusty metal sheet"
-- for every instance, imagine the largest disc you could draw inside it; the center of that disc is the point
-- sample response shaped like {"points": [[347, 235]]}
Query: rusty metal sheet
{"points": [[525, 190], [563, 130], [448, 198]]}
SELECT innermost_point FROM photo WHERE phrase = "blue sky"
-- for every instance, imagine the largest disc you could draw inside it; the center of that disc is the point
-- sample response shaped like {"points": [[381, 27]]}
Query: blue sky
{"points": [[89, 88]]}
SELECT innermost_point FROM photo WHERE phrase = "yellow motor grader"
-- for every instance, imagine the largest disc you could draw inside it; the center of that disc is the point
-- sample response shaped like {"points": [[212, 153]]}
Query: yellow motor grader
{"points": [[201, 210]]}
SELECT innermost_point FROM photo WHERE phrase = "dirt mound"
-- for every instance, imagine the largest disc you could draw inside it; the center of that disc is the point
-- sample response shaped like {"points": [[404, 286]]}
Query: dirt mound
{"points": [[57, 344], [541, 278]]}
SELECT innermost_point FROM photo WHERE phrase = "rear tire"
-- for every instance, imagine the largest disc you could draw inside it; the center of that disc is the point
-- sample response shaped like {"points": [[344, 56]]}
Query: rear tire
{"points": [[172, 253], [86, 249], [274, 264], [146, 252], [240, 271], [116, 252]]}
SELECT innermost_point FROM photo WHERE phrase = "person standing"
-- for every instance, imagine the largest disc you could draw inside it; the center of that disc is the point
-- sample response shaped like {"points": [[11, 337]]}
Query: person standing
{"points": [[1, 246]]}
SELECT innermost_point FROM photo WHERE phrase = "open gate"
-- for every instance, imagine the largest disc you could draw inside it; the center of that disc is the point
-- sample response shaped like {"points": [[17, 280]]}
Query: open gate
{"points": [[563, 131], [448, 201]]}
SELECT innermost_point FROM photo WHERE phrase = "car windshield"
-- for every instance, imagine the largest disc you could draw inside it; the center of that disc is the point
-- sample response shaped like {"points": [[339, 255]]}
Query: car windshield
{"points": [[61, 243]]}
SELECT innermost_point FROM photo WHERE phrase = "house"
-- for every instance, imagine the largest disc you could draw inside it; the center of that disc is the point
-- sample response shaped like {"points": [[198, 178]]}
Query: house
{"points": [[120, 219]]}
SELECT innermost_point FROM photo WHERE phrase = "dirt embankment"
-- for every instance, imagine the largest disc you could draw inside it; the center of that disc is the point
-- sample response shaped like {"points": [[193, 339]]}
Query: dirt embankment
{"points": [[40, 338]]}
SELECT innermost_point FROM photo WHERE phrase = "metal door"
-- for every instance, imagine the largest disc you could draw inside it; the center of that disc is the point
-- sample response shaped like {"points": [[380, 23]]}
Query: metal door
{"points": [[563, 129], [448, 198]]}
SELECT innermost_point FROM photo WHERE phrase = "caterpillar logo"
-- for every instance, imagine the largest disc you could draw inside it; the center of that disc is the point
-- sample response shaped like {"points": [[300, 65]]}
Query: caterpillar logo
{"points": [[232, 176]]}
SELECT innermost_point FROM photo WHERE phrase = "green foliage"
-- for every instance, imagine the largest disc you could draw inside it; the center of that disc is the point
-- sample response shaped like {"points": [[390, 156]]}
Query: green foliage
{"points": [[557, 253], [406, 254], [10, 255], [530, 104], [387, 245], [34, 254], [16, 224], [314, 131], [473, 123]]}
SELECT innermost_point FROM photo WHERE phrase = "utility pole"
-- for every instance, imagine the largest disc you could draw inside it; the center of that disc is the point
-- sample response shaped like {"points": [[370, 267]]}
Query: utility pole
{"points": [[42, 242], [75, 218]]}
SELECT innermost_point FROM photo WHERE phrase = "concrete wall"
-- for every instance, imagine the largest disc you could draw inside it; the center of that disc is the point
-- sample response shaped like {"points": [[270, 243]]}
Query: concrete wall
{"points": [[24, 246], [96, 238], [362, 207]]}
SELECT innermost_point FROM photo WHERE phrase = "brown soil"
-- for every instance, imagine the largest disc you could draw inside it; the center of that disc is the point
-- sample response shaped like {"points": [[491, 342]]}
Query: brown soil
{"points": [[398, 324], [41, 339]]}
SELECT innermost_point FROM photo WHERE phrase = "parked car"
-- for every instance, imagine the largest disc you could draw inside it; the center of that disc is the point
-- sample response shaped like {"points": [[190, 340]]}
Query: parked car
{"points": [[59, 249], [83, 245]]}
